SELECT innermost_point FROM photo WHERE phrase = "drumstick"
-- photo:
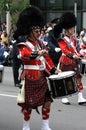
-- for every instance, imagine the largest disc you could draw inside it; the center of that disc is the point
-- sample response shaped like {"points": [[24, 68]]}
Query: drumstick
{"points": [[48, 66], [58, 66]]}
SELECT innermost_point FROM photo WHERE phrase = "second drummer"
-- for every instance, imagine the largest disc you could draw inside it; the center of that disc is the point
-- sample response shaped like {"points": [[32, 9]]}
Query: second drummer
{"points": [[70, 58]]}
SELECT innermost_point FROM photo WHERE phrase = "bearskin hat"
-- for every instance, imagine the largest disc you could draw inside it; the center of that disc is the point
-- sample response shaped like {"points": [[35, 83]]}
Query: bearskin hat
{"points": [[67, 20], [29, 18]]}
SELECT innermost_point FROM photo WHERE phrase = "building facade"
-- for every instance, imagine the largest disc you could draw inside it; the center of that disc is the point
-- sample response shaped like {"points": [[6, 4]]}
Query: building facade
{"points": [[54, 8]]}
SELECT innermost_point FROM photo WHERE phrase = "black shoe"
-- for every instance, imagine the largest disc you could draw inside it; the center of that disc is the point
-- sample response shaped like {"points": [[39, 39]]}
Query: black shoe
{"points": [[82, 103], [67, 103]]}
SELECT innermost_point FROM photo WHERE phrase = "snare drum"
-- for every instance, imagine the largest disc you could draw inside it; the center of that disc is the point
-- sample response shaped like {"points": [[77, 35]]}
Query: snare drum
{"points": [[63, 84], [83, 66], [1, 72]]}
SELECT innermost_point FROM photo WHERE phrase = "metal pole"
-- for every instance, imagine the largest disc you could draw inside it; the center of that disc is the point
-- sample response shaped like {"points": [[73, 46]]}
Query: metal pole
{"points": [[8, 20], [75, 11]]}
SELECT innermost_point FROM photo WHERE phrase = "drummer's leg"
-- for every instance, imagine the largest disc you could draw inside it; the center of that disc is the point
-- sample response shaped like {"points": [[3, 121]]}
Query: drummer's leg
{"points": [[45, 116], [26, 119], [81, 99]]}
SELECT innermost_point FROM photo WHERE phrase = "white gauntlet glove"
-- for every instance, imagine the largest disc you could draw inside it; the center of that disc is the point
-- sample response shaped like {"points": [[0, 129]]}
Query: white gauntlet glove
{"points": [[57, 49]]}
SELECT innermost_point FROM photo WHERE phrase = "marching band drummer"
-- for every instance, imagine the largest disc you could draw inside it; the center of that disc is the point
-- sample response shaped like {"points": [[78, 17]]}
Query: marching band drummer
{"points": [[36, 62], [83, 52], [83, 46], [69, 61]]}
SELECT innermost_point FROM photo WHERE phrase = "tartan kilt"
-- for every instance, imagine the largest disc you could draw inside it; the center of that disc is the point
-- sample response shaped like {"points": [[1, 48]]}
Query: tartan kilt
{"points": [[72, 67], [36, 93]]}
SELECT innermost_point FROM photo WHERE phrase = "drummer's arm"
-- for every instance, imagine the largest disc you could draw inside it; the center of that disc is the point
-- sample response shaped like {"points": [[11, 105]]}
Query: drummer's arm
{"points": [[54, 70], [65, 50], [70, 55], [50, 67]]}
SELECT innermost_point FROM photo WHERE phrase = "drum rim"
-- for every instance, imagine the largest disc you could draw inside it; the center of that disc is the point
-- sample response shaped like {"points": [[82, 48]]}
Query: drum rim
{"points": [[67, 76]]}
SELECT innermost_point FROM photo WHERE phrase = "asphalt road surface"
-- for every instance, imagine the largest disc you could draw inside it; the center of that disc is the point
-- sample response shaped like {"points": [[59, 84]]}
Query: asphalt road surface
{"points": [[63, 117]]}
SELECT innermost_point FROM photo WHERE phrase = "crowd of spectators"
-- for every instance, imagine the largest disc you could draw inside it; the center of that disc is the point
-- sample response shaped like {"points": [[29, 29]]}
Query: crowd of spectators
{"points": [[6, 44], [5, 47]]}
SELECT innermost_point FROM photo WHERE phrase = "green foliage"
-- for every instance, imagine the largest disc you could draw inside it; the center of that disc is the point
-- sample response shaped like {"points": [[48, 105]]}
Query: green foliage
{"points": [[3, 4], [20, 5], [13, 7]]}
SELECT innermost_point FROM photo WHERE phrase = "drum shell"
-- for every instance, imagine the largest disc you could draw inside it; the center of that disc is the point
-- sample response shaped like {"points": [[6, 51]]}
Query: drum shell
{"points": [[1, 72], [63, 87], [83, 67]]}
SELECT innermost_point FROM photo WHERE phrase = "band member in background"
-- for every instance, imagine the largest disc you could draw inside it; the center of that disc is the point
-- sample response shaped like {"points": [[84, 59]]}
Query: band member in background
{"points": [[83, 45], [70, 59], [37, 63], [17, 63], [54, 50]]}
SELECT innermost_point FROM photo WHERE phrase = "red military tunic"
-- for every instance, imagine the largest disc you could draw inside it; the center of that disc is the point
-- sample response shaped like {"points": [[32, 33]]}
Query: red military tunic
{"points": [[67, 46], [36, 85]]}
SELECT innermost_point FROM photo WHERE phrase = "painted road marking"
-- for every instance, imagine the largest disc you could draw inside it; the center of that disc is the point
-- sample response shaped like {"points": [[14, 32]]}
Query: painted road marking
{"points": [[7, 95]]}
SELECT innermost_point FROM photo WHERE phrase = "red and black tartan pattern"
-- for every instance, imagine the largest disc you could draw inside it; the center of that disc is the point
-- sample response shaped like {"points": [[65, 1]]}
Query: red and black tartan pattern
{"points": [[72, 67], [36, 93]]}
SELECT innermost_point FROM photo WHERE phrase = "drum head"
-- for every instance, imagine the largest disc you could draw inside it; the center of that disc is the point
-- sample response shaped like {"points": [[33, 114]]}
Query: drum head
{"points": [[62, 75], [83, 61], [1, 67]]}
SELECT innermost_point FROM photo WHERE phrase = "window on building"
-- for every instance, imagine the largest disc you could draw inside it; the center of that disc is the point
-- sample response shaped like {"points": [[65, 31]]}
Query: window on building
{"points": [[70, 5], [51, 4], [84, 5]]}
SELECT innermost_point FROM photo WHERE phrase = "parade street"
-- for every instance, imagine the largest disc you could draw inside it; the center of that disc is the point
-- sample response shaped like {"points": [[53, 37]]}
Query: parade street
{"points": [[63, 117]]}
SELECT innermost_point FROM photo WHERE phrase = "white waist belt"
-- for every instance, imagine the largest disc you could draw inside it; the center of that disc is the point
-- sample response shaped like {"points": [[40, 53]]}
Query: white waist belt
{"points": [[34, 67]]}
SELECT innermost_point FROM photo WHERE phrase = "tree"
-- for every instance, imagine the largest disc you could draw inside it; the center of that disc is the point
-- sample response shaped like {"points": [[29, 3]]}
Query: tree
{"points": [[13, 7]]}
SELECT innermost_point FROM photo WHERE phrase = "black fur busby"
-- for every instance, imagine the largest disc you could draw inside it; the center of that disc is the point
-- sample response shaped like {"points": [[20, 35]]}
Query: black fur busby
{"points": [[66, 21], [28, 18]]}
